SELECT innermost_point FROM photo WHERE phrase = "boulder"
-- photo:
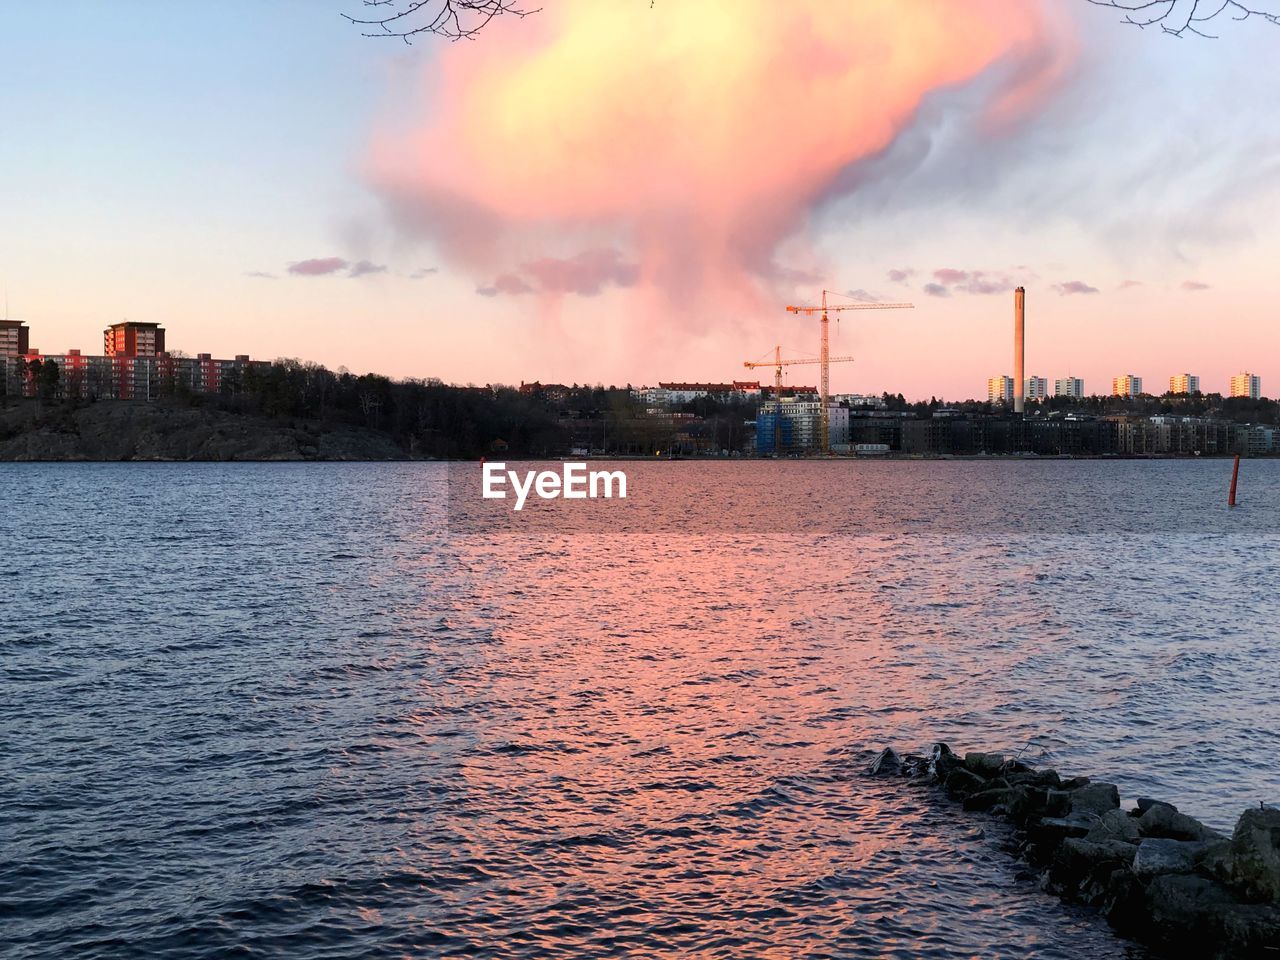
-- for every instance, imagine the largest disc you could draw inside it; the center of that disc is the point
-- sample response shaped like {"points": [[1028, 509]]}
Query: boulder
{"points": [[1255, 855], [985, 765], [1075, 783], [1014, 767], [1114, 825], [1157, 855], [942, 761], [989, 798], [961, 782], [1181, 904], [887, 764], [1162, 820], [1044, 836], [914, 765], [1034, 778], [1146, 803], [1094, 799], [1080, 868]]}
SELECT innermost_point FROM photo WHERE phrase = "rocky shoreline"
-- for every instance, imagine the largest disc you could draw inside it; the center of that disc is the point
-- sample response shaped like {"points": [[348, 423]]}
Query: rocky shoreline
{"points": [[1156, 874]]}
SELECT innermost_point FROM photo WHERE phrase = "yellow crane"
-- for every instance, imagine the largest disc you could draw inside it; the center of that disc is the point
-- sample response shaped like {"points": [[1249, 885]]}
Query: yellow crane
{"points": [[778, 363], [824, 388]]}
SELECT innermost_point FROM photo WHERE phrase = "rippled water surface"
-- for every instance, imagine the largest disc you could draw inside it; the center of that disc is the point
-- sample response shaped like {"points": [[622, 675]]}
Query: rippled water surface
{"points": [[298, 710]]}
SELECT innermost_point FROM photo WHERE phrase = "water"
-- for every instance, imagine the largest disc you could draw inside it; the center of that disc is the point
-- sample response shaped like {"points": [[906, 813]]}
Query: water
{"points": [[312, 711]]}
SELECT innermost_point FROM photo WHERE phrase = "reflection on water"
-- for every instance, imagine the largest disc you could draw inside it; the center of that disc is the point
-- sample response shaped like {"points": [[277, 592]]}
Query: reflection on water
{"points": [[284, 709]]}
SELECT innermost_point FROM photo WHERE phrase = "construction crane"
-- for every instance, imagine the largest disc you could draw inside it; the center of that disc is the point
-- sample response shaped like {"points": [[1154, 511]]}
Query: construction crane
{"points": [[778, 363], [824, 387]]}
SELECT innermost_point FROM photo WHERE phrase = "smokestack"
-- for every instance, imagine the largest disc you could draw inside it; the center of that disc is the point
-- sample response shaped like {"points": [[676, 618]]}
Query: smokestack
{"points": [[1019, 347]]}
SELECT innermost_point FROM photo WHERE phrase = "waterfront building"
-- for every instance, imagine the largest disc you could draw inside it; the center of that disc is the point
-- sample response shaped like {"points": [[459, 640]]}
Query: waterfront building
{"points": [[1068, 387], [1184, 383], [14, 338], [130, 339], [131, 369], [1037, 388], [1000, 390], [796, 423], [1126, 385], [1246, 385]]}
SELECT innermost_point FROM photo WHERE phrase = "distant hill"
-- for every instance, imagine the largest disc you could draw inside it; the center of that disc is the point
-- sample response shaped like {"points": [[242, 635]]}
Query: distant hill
{"points": [[121, 430]]}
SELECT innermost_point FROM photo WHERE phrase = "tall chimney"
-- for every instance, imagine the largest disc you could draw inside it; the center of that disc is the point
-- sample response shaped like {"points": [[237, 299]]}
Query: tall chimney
{"points": [[1019, 347]]}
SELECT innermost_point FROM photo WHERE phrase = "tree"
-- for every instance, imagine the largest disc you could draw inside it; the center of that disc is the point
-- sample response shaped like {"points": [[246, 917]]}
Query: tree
{"points": [[452, 19], [1180, 17]]}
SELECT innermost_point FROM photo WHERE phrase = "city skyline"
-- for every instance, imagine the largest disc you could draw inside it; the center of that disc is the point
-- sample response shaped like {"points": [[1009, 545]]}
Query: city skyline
{"points": [[183, 219]]}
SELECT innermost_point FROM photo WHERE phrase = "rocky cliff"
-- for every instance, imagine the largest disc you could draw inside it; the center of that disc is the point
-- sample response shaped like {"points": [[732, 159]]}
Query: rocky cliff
{"points": [[117, 430]]}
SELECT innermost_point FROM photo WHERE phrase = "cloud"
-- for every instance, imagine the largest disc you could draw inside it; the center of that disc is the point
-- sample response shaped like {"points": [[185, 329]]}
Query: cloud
{"points": [[586, 275], [508, 284], [260, 275], [364, 268], [319, 267], [936, 290], [422, 272], [1073, 286], [1194, 285], [524, 156], [864, 295], [979, 282], [1126, 284], [901, 276]]}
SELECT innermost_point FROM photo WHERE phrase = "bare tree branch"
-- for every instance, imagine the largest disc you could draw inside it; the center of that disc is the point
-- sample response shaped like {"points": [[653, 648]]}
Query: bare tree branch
{"points": [[452, 19], [1181, 17]]}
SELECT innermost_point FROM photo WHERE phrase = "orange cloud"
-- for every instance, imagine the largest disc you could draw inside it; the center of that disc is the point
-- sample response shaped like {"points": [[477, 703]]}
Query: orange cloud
{"points": [[694, 138]]}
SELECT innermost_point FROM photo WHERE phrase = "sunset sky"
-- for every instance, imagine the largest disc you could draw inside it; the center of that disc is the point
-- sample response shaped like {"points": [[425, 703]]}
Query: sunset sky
{"points": [[609, 192]]}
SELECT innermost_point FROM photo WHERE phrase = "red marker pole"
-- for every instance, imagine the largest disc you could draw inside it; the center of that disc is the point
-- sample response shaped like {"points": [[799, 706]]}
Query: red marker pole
{"points": [[1235, 475]]}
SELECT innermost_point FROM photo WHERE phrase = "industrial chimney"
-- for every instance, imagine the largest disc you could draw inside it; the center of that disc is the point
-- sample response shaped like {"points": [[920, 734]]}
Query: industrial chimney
{"points": [[1019, 347]]}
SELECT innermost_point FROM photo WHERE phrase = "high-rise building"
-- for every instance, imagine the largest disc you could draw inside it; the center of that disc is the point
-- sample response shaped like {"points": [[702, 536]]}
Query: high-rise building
{"points": [[1068, 387], [1184, 383], [1246, 385], [1000, 389], [1126, 385], [129, 339], [14, 338], [1037, 388]]}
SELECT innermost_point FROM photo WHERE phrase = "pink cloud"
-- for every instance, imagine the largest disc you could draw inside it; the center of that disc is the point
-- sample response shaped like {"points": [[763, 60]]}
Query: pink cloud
{"points": [[596, 127], [319, 267], [1194, 285], [1073, 287]]}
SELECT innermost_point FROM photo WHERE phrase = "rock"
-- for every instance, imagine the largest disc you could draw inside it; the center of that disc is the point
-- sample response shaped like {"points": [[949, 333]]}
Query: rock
{"points": [[1114, 825], [1034, 778], [1026, 803], [1161, 820], [985, 765], [1185, 909], [1014, 767], [886, 764], [1251, 929], [1080, 864], [1075, 783], [961, 782], [1044, 836], [942, 761], [1094, 799], [987, 799], [1146, 803], [1157, 855], [914, 765], [1255, 855], [1124, 902]]}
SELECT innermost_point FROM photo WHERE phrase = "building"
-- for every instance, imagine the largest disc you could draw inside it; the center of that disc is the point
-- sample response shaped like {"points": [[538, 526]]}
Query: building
{"points": [[1126, 385], [1000, 390], [14, 338], [130, 339], [1037, 388], [1246, 385], [132, 369], [1184, 383], [794, 424], [1072, 387]]}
